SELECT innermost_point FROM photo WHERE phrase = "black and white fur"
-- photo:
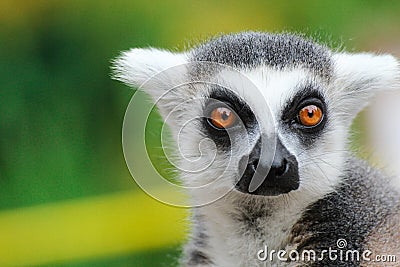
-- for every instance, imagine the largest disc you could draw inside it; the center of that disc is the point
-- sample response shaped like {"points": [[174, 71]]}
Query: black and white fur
{"points": [[338, 196]]}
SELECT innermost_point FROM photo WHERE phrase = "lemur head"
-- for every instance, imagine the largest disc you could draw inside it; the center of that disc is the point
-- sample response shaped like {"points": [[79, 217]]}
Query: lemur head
{"points": [[264, 114]]}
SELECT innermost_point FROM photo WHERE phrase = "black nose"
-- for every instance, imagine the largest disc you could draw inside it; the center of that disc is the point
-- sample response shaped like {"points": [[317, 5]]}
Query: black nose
{"points": [[277, 169], [282, 176], [281, 169]]}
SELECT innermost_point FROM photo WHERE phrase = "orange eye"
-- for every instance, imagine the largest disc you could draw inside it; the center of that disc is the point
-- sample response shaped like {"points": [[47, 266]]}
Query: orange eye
{"points": [[310, 115], [222, 117]]}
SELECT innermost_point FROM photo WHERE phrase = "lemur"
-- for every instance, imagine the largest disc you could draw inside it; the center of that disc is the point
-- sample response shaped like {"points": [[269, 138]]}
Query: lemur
{"points": [[277, 109]]}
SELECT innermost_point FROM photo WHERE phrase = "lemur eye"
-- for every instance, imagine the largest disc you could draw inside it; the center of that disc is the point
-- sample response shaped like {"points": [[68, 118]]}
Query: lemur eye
{"points": [[310, 115], [222, 117]]}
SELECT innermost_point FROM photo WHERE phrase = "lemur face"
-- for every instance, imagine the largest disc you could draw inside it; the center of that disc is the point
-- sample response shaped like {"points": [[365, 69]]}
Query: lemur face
{"points": [[261, 131], [261, 114], [281, 132]]}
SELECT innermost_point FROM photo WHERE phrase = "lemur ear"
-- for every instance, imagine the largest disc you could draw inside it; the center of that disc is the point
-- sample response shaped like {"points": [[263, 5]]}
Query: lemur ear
{"points": [[359, 77], [156, 72], [137, 66]]}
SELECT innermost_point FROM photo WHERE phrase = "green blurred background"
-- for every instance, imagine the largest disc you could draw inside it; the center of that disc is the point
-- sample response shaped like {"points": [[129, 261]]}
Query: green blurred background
{"points": [[66, 195]]}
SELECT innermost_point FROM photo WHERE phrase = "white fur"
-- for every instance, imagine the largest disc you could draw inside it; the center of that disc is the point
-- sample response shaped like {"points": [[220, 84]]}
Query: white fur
{"points": [[136, 66], [359, 77], [384, 131], [354, 68], [231, 246]]}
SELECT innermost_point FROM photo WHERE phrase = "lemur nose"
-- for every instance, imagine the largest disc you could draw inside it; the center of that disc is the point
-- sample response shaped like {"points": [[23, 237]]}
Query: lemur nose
{"points": [[282, 176], [276, 169], [281, 169]]}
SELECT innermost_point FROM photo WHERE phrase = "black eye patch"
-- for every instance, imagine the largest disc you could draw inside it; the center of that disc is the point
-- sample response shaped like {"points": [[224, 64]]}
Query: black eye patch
{"points": [[290, 115], [236, 103], [232, 101]]}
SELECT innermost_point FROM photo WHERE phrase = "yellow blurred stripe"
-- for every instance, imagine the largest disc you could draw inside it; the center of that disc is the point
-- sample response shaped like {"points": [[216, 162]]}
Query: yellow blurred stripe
{"points": [[86, 228]]}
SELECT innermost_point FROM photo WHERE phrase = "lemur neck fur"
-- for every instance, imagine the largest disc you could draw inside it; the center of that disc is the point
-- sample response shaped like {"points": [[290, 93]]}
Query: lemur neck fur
{"points": [[237, 226]]}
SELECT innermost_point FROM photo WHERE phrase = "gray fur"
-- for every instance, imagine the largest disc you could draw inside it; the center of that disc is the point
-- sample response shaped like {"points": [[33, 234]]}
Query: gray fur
{"points": [[360, 204], [197, 258], [250, 49]]}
